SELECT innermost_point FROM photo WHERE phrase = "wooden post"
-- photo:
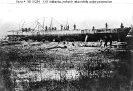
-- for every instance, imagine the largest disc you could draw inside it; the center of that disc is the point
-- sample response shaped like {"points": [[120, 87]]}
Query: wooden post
{"points": [[86, 37]]}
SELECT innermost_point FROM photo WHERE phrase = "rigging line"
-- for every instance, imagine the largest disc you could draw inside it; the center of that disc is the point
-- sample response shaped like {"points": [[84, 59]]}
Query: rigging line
{"points": [[51, 24], [34, 21], [43, 22], [57, 22], [40, 25], [71, 20], [67, 21], [30, 22], [42, 18], [35, 26], [32, 25]]}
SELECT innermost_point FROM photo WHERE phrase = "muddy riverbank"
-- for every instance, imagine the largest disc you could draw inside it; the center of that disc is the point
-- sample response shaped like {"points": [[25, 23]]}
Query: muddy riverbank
{"points": [[27, 68]]}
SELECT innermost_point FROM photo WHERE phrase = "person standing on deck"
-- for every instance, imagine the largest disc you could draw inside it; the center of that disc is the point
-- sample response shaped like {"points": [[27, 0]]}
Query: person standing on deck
{"points": [[55, 28], [61, 27], [64, 28], [46, 28], [74, 27], [68, 27]]}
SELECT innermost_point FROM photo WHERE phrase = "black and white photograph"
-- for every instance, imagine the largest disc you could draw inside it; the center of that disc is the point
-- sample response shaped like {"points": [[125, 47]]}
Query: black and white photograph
{"points": [[66, 45]]}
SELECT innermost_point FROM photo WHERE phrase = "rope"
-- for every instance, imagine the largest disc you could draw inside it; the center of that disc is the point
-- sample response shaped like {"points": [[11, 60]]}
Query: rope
{"points": [[35, 26], [57, 22]]}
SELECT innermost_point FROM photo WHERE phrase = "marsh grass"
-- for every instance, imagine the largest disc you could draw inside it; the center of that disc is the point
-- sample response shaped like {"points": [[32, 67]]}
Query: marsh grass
{"points": [[30, 57]]}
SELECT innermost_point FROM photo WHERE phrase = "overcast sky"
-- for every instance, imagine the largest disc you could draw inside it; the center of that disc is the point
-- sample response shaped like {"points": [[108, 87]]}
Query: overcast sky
{"points": [[85, 16]]}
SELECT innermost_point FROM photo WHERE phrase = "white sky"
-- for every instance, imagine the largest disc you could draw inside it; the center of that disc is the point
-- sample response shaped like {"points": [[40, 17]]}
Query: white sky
{"points": [[83, 15]]}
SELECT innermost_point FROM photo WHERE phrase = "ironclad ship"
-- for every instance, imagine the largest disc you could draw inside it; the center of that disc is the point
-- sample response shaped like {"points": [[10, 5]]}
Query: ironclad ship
{"points": [[66, 34]]}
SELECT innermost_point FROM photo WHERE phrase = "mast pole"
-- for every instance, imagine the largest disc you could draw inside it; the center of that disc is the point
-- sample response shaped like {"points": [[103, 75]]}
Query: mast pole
{"points": [[43, 22], [51, 23], [23, 24], [67, 23]]}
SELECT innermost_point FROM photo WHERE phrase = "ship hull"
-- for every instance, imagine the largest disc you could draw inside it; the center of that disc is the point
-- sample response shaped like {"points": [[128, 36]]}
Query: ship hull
{"points": [[120, 35]]}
